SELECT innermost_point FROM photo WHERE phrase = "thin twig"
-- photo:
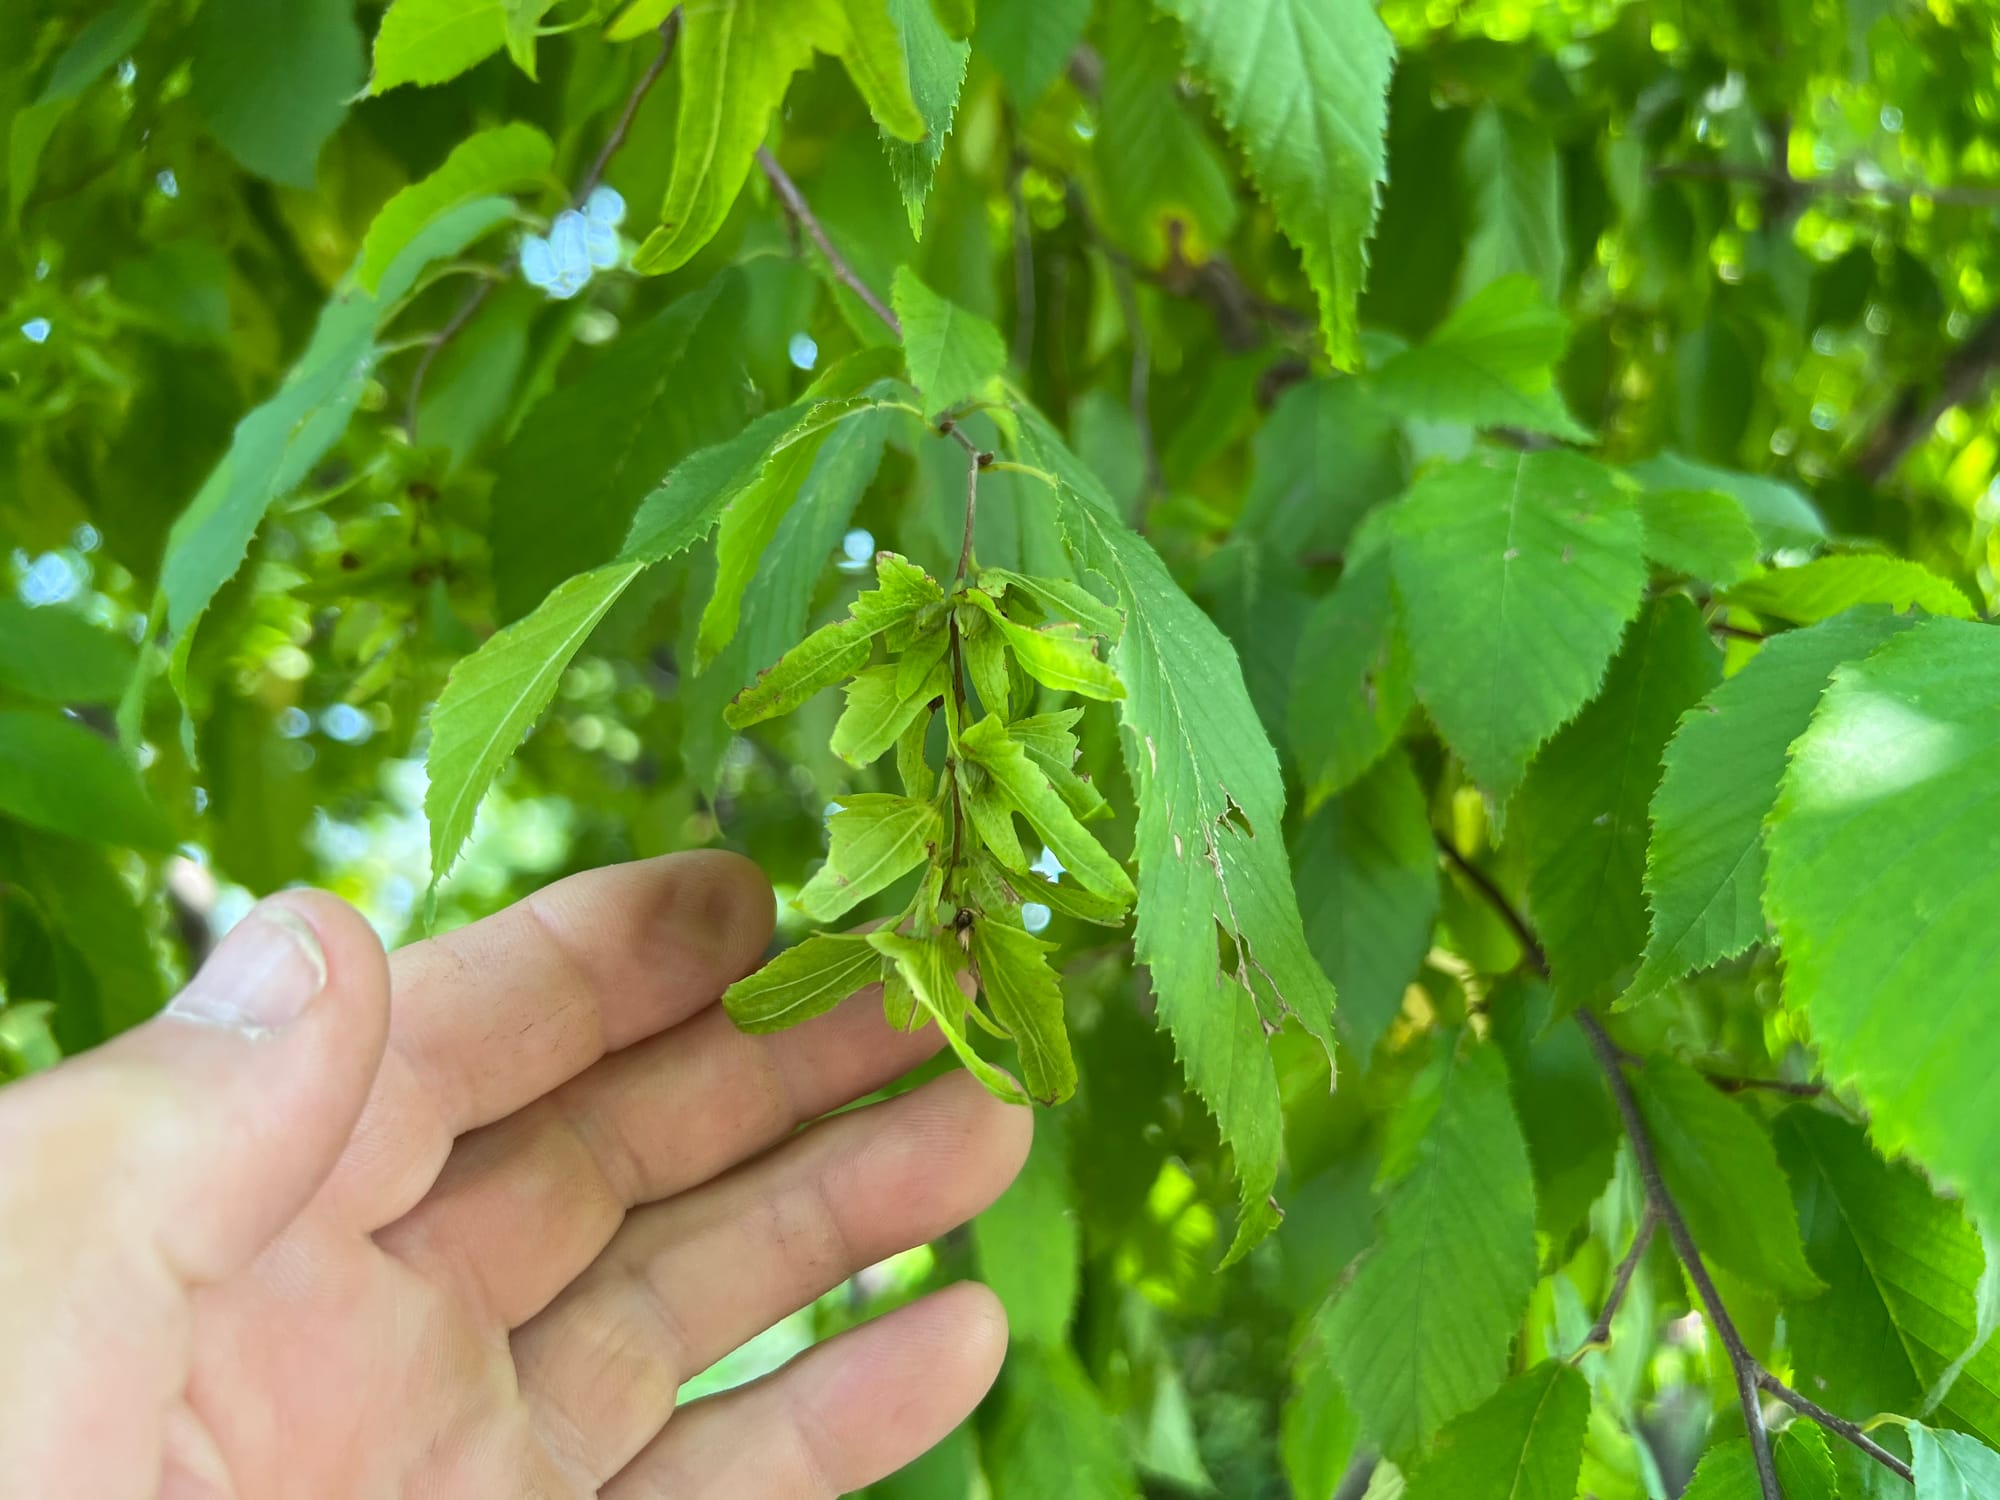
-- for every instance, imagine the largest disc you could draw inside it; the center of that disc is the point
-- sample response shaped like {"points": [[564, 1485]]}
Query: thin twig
{"points": [[1497, 899], [1736, 632], [801, 212], [1621, 1283], [1839, 1426], [1743, 1365], [670, 30], [1730, 1085], [972, 467]]}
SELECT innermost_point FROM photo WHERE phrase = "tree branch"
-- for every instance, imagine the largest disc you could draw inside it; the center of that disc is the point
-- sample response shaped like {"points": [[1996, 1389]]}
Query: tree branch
{"points": [[802, 214], [1750, 1375], [1621, 1283]]}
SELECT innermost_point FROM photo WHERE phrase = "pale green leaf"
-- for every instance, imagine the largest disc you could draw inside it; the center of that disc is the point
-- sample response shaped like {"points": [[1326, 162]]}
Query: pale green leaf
{"points": [[1524, 1442], [1517, 204], [1026, 1000], [930, 967], [1368, 890], [1056, 655], [1532, 559], [1952, 1466], [1351, 692], [952, 353], [872, 47], [429, 41], [988, 745], [1705, 861], [937, 72], [877, 839], [55, 655], [1420, 1333], [638, 18], [494, 696], [1211, 858], [494, 161], [879, 709], [272, 82], [1303, 87], [806, 980], [56, 774], [1782, 515], [1029, 1243], [1703, 533], [1059, 599], [1723, 1172], [1900, 1265], [1029, 42], [1825, 586], [1583, 806], [1883, 885], [1490, 364], [520, 18]]}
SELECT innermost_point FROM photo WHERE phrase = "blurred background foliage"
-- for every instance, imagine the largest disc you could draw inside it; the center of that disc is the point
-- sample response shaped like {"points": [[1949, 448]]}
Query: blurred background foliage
{"points": [[1774, 229]]}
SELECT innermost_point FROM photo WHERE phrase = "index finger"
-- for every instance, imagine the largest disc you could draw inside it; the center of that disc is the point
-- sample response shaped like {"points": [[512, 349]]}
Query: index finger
{"points": [[491, 1017]]}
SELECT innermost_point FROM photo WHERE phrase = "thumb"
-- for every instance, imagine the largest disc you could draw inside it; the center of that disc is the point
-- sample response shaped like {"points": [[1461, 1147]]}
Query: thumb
{"points": [[164, 1161]]}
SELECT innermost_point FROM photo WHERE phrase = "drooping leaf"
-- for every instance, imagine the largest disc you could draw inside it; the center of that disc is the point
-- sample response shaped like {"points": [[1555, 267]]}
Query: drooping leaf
{"points": [[937, 73], [430, 41], [1705, 861], [1881, 883], [1490, 364], [871, 43], [494, 161], [806, 980], [1901, 1266], [519, 19], [929, 966], [1782, 516], [1822, 588], [1303, 87], [1368, 891], [1057, 655], [57, 656], [952, 354], [1021, 988], [1059, 599], [877, 838], [1211, 801], [1029, 1243], [1952, 1466], [1528, 559], [1723, 1171], [56, 774], [988, 745], [1584, 803], [1524, 1442], [1516, 180], [593, 448], [1702, 533], [272, 82], [1420, 1334], [879, 709]]}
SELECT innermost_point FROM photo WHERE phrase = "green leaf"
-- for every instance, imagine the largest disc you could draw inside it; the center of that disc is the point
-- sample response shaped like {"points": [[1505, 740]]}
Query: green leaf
{"points": [[1368, 890], [1900, 1265], [1583, 806], [1702, 533], [56, 774], [687, 503], [1029, 42], [277, 445], [879, 710], [1782, 516], [1824, 587], [1351, 692], [872, 48], [520, 19], [1056, 655], [272, 82], [988, 745], [1722, 1170], [1420, 1334], [806, 980], [736, 59], [930, 967], [1303, 87], [430, 41], [1059, 599], [637, 19], [57, 656], [1211, 858], [494, 696], [957, 17], [1705, 862], [937, 72], [107, 37], [1052, 1435], [1952, 1466], [1517, 204], [1490, 364], [877, 838], [1805, 1468], [494, 161], [1528, 559], [1525, 1442], [1566, 1112], [1027, 1001], [589, 452], [1882, 884], [79, 893], [952, 354], [1317, 1432], [1029, 1243]]}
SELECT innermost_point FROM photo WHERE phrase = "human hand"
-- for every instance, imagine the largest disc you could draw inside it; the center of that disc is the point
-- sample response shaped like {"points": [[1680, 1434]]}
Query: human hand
{"points": [[293, 1239]]}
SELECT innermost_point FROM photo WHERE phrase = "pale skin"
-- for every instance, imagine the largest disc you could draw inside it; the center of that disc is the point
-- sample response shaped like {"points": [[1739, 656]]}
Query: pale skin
{"points": [[459, 1222]]}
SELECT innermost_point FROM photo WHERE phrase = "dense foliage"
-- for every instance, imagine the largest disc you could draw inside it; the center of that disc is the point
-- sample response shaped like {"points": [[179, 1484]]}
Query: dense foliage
{"points": [[1389, 608]]}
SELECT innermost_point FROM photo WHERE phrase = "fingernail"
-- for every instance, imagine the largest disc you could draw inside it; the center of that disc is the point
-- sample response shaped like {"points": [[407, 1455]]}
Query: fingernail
{"points": [[262, 976]]}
